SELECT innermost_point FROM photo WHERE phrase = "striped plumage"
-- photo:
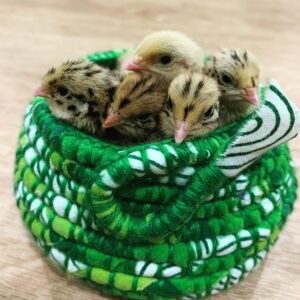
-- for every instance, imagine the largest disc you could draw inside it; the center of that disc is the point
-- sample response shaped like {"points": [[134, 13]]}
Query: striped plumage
{"points": [[192, 108], [137, 103], [80, 92], [237, 73]]}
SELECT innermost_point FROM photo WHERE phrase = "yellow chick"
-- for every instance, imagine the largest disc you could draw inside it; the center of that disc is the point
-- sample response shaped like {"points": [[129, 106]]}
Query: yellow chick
{"points": [[192, 108], [79, 92], [137, 102], [167, 53], [237, 73]]}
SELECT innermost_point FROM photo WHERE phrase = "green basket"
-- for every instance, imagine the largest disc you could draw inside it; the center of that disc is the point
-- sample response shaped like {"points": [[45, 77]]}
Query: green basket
{"points": [[159, 220]]}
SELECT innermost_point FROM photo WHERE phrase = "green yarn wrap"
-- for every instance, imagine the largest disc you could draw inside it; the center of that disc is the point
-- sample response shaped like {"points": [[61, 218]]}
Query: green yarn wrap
{"points": [[159, 220]]}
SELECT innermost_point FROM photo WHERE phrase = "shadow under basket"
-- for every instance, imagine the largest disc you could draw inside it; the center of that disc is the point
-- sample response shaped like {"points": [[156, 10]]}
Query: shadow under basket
{"points": [[158, 220]]}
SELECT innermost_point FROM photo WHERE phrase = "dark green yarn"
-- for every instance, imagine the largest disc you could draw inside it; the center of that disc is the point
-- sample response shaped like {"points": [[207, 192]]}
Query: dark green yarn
{"points": [[199, 232], [184, 215]]}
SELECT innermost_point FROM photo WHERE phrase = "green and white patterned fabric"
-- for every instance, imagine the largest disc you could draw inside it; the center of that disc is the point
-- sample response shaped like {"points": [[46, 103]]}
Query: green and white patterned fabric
{"points": [[159, 220]]}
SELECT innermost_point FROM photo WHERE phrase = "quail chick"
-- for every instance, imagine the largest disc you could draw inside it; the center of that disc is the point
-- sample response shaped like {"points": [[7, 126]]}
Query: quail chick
{"points": [[79, 92], [237, 73], [137, 103], [167, 53], [192, 108]]}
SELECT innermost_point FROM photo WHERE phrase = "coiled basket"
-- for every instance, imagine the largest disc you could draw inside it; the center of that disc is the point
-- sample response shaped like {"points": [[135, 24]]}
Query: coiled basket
{"points": [[159, 220]]}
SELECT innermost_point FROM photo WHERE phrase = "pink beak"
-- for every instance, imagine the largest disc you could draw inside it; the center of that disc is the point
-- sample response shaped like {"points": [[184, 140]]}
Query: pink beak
{"points": [[134, 64], [251, 95], [112, 120], [131, 66], [39, 92], [182, 129]]}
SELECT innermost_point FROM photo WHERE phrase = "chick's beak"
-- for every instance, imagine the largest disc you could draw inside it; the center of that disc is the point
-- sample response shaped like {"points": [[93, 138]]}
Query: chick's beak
{"points": [[112, 120], [182, 129], [39, 92], [135, 64], [251, 95]]}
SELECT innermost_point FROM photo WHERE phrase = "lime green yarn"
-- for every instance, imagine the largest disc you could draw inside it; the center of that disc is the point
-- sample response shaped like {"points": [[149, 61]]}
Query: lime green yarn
{"points": [[159, 220]]}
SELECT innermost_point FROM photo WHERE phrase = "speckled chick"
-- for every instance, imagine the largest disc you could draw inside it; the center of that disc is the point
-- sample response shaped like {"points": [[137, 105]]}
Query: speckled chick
{"points": [[192, 108], [137, 103], [237, 72], [79, 92]]}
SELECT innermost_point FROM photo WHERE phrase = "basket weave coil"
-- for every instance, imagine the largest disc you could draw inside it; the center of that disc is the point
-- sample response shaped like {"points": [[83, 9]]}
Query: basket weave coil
{"points": [[159, 220]]}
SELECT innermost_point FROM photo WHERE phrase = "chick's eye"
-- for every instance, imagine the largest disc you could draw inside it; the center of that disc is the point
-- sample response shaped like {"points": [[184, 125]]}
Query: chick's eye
{"points": [[165, 59], [169, 103], [209, 113], [62, 91], [144, 117], [226, 79]]}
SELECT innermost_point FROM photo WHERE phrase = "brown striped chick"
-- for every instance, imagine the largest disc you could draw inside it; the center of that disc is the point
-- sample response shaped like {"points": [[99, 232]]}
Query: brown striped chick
{"points": [[137, 103], [167, 53], [237, 72], [79, 92], [192, 107]]}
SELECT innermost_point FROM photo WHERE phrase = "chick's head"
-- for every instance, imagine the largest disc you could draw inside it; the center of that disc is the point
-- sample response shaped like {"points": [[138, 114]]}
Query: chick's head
{"points": [[193, 99], [77, 88], [237, 72], [166, 53], [138, 96]]}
